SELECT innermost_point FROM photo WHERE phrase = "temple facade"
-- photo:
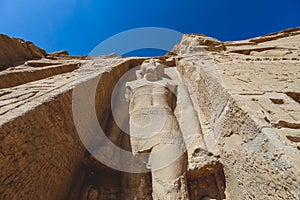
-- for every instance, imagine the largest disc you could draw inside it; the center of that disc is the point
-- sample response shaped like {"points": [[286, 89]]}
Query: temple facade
{"points": [[208, 120]]}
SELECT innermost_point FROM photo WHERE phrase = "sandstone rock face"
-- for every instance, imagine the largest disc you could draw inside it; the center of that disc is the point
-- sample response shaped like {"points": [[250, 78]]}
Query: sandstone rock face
{"points": [[246, 98], [14, 51], [242, 97]]}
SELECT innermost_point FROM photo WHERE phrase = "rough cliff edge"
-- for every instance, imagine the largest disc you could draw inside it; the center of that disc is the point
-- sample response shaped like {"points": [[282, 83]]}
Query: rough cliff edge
{"points": [[246, 95], [14, 51]]}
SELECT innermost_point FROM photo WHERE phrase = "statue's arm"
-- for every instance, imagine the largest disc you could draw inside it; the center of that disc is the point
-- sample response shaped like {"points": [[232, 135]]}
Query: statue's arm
{"points": [[128, 93], [174, 96]]}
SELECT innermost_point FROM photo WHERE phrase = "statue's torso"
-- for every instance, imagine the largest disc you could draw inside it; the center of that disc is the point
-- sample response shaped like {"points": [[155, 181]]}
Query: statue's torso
{"points": [[152, 120], [149, 96]]}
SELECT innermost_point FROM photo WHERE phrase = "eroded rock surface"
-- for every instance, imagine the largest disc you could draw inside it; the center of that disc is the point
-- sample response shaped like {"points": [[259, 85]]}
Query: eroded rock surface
{"points": [[247, 99]]}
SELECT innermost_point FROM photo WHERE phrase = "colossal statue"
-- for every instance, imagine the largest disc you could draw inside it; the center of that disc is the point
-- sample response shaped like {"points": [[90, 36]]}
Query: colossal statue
{"points": [[154, 129]]}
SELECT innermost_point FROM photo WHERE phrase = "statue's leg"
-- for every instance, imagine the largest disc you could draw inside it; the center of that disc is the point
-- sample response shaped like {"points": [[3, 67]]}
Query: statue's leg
{"points": [[168, 168]]}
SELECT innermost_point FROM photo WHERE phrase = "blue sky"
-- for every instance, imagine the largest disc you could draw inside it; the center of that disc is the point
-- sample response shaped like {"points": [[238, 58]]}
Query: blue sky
{"points": [[79, 26]]}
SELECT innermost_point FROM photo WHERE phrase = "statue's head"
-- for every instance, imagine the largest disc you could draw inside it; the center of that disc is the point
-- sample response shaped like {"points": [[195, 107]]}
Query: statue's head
{"points": [[151, 70]]}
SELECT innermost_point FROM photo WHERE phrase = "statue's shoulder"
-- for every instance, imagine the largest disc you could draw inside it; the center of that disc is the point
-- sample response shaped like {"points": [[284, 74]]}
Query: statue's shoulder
{"points": [[132, 85], [170, 83]]}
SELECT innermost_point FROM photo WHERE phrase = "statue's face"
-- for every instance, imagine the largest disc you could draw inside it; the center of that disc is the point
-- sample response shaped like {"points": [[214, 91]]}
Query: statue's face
{"points": [[151, 73], [152, 70]]}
